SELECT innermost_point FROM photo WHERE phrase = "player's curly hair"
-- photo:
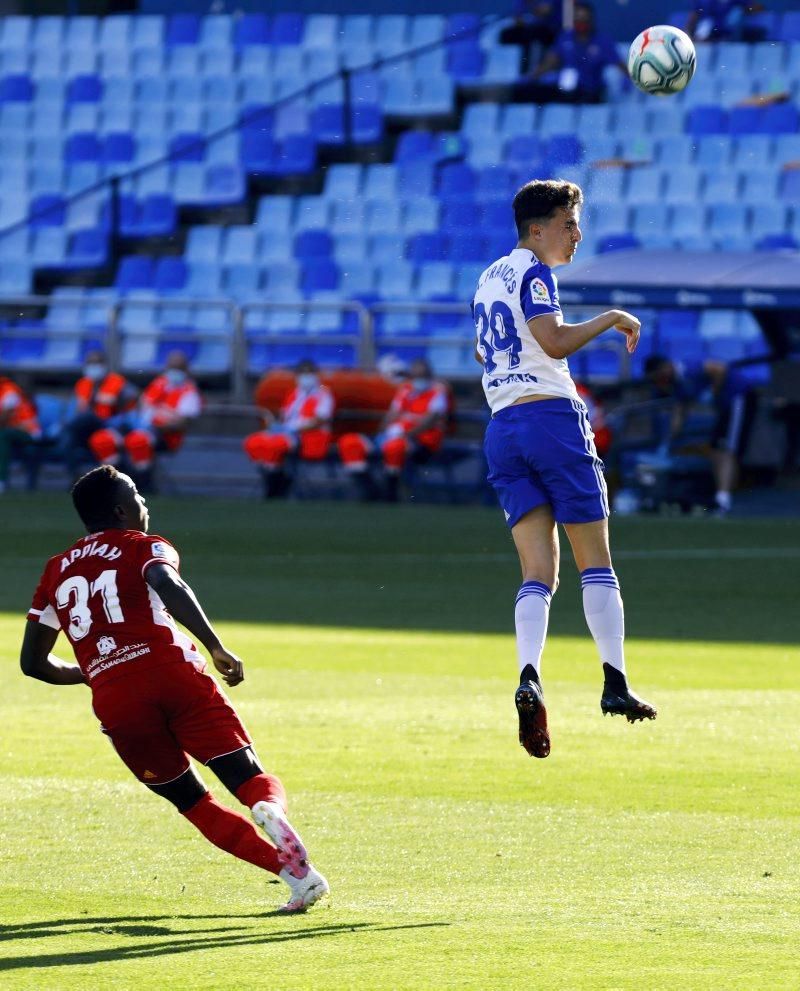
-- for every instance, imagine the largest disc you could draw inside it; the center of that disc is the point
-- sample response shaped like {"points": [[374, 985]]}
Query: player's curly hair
{"points": [[95, 494], [539, 199]]}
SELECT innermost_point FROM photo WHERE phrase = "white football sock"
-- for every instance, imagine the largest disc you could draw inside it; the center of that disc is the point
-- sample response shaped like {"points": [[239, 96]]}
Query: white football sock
{"points": [[605, 617], [531, 613]]}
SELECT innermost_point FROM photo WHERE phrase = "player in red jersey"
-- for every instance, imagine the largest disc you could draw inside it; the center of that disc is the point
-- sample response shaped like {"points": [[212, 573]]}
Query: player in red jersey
{"points": [[413, 426], [114, 593]]}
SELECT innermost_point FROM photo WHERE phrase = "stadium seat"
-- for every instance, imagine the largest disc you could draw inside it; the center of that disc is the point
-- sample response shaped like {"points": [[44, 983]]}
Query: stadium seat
{"points": [[134, 272], [644, 185], [790, 27], [707, 120], [790, 186], [251, 29], [745, 120]]}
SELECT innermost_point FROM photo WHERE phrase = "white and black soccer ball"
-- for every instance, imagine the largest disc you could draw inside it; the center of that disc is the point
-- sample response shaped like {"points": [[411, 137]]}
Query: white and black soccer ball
{"points": [[662, 60]]}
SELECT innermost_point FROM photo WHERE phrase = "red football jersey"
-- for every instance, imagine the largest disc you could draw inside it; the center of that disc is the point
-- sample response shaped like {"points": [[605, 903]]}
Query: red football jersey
{"points": [[96, 593]]}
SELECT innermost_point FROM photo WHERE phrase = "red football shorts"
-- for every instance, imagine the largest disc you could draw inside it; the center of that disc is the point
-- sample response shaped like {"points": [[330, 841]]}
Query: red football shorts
{"points": [[156, 720]]}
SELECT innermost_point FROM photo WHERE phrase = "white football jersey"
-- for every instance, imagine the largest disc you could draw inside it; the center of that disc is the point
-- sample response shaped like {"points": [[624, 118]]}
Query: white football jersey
{"points": [[511, 291]]}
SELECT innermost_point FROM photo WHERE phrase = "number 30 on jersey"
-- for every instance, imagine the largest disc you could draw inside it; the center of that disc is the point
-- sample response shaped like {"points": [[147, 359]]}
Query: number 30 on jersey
{"points": [[497, 333]]}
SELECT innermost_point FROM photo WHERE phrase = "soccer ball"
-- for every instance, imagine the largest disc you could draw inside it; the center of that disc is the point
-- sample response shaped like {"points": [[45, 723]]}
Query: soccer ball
{"points": [[661, 60]]}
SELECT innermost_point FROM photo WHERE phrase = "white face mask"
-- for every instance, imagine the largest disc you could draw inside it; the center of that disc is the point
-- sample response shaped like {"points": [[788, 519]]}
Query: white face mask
{"points": [[94, 371], [175, 376], [307, 381]]}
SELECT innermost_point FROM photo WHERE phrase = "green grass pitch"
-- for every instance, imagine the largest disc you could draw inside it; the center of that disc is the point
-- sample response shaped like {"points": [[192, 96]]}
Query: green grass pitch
{"points": [[380, 671]]}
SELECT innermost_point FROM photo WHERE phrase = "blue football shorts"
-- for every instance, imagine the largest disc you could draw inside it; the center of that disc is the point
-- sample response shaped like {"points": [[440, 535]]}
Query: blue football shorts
{"points": [[543, 452]]}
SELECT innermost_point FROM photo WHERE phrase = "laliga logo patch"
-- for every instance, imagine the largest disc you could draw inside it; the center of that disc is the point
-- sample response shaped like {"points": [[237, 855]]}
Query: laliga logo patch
{"points": [[105, 645], [539, 292], [159, 550]]}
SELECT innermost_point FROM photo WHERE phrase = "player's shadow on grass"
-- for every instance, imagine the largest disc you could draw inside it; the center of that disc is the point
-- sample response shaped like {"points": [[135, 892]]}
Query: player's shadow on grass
{"points": [[229, 936]]}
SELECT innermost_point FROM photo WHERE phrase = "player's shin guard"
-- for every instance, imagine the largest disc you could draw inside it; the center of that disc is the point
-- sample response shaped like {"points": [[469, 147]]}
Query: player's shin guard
{"points": [[531, 614], [233, 833], [602, 606]]}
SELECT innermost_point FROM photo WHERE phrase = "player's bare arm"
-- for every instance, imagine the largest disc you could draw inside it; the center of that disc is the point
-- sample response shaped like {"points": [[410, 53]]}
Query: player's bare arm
{"points": [[560, 340], [37, 662], [182, 603]]}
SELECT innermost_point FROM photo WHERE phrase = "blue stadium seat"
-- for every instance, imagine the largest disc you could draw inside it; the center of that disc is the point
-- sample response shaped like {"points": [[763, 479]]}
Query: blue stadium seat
{"points": [[777, 242], [428, 247], [557, 118], [88, 249], [768, 219], [564, 149], [357, 29], [223, 185], [708, 119], [790, 186], [787, 148], [311, 243], [349, 248], [387, 248], [644, 185], [753, 151], [606, 218], [182, 29], [358, 278], [650, 224], [414, 179], [526, 150], [516, 119], [456, 180], [745, 120], [605, 185], [383, 215], [258, 152], [47, 210], [367, 124], [238, 245], [49, 247], [189, 147], [728, 225], [216, 32], [274, 213], [347, 216], [314, 212], [495, 182], [400, 97], [204, 279], [319, 275], [243, 281], [251, 29], [720, 187], [134, 272], [17, 31], [714, 151], [390, 33], [467, 248], [790, 27], [674, 153], [287, 29], [87, 88], [502, 66], [623, 241], [782, 118], [274, 245], [321, 31], [170, 275], [434, 95], [16, 89], [465, 60], [435, 279], [395, 280], [420, 215], [458, 214], [682, 186], [297, 155], [82, 117]]}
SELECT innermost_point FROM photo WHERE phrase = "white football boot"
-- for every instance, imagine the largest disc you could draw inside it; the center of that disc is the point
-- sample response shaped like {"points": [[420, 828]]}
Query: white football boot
{"points": [[307, 884], [306, 891]]}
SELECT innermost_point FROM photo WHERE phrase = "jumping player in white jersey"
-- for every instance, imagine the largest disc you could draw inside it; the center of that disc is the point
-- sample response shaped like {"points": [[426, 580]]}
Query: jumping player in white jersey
{"points": [[540, 448]]}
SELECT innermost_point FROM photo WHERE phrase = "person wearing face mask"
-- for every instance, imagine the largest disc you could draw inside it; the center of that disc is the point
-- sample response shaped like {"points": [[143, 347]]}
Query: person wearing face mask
{"points": [[573, 69], [303, 425], [102, 399], [19, 425], [166, 408], [413, 427]]}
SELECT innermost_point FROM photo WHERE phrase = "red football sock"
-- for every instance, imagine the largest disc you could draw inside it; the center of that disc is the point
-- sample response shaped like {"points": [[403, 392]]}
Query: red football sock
{"points": [[261, 788], [231, 832]]}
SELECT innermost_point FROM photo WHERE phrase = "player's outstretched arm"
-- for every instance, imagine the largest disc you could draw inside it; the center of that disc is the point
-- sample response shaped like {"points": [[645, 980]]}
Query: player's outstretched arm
{"points": [[560, 340], [36, 660], [182, 603]]}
